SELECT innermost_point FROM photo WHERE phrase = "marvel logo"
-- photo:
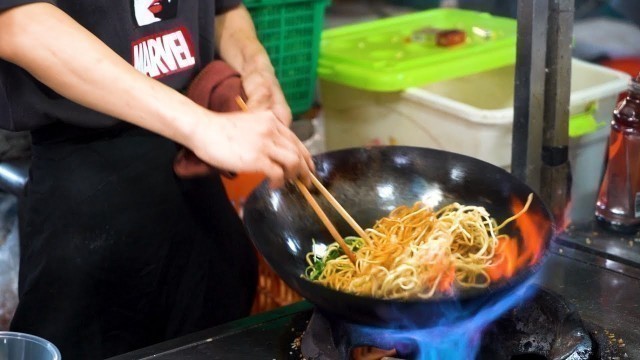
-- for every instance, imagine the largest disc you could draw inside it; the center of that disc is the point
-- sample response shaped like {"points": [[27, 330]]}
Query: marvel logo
{"points": [[164, 53]]}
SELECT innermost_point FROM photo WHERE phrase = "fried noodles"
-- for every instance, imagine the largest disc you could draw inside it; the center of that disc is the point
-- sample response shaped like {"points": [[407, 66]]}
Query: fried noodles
{"points": [[415, 252]]}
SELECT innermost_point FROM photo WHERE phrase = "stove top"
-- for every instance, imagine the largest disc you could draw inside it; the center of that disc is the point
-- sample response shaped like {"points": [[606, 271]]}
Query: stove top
{"points": [[604, 288], [546, 326]]}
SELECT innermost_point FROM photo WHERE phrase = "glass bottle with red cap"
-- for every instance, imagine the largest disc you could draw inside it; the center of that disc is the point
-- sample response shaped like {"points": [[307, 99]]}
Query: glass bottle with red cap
{"points": [[618, 204]]}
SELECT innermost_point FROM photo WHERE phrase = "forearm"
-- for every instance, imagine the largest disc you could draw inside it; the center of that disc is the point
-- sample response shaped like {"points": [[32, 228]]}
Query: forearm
{"points": [[60, 53], [237, 42], [47, 43], [238, 45]]}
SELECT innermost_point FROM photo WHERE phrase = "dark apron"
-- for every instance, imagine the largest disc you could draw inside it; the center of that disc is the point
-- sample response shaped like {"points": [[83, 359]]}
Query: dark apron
{"points": [[117, 253]]}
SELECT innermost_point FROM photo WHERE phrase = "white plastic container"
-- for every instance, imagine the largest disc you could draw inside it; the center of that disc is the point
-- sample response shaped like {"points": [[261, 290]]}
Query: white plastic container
{"points": [[472, 115], [19, 346]]}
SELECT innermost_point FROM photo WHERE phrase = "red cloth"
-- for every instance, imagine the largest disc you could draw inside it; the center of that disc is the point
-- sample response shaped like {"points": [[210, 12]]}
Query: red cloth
{"points": [[216, 88]]}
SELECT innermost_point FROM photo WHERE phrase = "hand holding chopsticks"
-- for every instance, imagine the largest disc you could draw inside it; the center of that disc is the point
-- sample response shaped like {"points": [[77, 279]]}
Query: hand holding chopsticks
{"points": [[286, 152], [318, 210]]}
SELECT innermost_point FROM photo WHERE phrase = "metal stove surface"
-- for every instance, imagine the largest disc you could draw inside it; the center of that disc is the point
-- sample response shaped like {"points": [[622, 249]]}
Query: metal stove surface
{"points": [[605, 288]]}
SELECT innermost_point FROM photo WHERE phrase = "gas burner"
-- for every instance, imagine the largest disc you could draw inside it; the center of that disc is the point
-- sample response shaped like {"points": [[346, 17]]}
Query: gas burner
{"points": [[545, 327]]}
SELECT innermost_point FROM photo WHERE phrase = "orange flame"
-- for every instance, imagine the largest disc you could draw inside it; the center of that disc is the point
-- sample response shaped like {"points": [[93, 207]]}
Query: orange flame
{"points": [[505, 259], [445, 285], [511, 254], [564, 219]]}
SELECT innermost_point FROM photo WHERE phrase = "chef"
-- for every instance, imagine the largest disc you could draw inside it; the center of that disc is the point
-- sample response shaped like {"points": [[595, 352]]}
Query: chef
{"points": [[118, 251]]}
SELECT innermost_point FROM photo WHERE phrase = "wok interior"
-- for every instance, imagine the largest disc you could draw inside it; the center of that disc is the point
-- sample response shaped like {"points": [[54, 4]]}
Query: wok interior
{"points": [[369, 183]]}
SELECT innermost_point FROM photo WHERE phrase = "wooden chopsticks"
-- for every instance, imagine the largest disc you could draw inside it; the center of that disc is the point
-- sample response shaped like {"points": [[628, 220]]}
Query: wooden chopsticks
{"points": [[325, 220], [241, 103], [345, 215], [318, 210]]}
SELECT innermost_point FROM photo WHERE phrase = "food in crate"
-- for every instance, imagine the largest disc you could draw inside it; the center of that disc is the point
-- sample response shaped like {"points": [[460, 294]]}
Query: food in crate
{"points": [[439, 37]]}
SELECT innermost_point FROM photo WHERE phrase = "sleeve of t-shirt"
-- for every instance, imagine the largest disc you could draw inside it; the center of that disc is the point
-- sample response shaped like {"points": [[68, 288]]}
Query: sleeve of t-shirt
{"points": [[6, 4], [223, 6]]}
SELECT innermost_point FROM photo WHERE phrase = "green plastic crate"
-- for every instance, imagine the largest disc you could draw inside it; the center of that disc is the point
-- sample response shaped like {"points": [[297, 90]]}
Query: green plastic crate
{"points": [[290, 32], [381, 55]]}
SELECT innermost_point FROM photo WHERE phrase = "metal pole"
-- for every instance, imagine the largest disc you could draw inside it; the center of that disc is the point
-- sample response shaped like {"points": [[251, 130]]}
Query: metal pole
{"points": [[526, 150], [556, 173]]}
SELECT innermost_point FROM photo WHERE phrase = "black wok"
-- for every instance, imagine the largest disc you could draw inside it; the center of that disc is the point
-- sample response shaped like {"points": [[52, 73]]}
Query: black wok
{"points": [[369, 183]]}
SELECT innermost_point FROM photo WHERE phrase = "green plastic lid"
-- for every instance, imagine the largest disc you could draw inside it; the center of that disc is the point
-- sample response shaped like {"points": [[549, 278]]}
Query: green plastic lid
{"points": [[395, 53], [585, 123]]}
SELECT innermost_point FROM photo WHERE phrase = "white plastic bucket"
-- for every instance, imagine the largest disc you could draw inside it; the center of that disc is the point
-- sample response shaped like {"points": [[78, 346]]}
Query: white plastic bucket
{"points": [[473, 115]]}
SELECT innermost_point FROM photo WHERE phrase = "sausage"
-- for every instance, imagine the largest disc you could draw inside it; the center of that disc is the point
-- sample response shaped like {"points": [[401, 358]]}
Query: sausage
{"points": [[450, 37]]}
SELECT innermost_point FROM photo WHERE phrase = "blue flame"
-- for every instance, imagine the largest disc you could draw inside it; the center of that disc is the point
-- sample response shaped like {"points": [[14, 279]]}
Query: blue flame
{"points": [[455, 341]]}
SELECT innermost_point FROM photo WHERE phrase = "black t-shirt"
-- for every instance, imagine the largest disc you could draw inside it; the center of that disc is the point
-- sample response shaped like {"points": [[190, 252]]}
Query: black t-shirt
{"points": [[168, 40]]}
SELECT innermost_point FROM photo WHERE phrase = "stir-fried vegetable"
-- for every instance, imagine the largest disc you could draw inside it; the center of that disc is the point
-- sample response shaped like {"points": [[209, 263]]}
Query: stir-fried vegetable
{"points": [[321, 257]]}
